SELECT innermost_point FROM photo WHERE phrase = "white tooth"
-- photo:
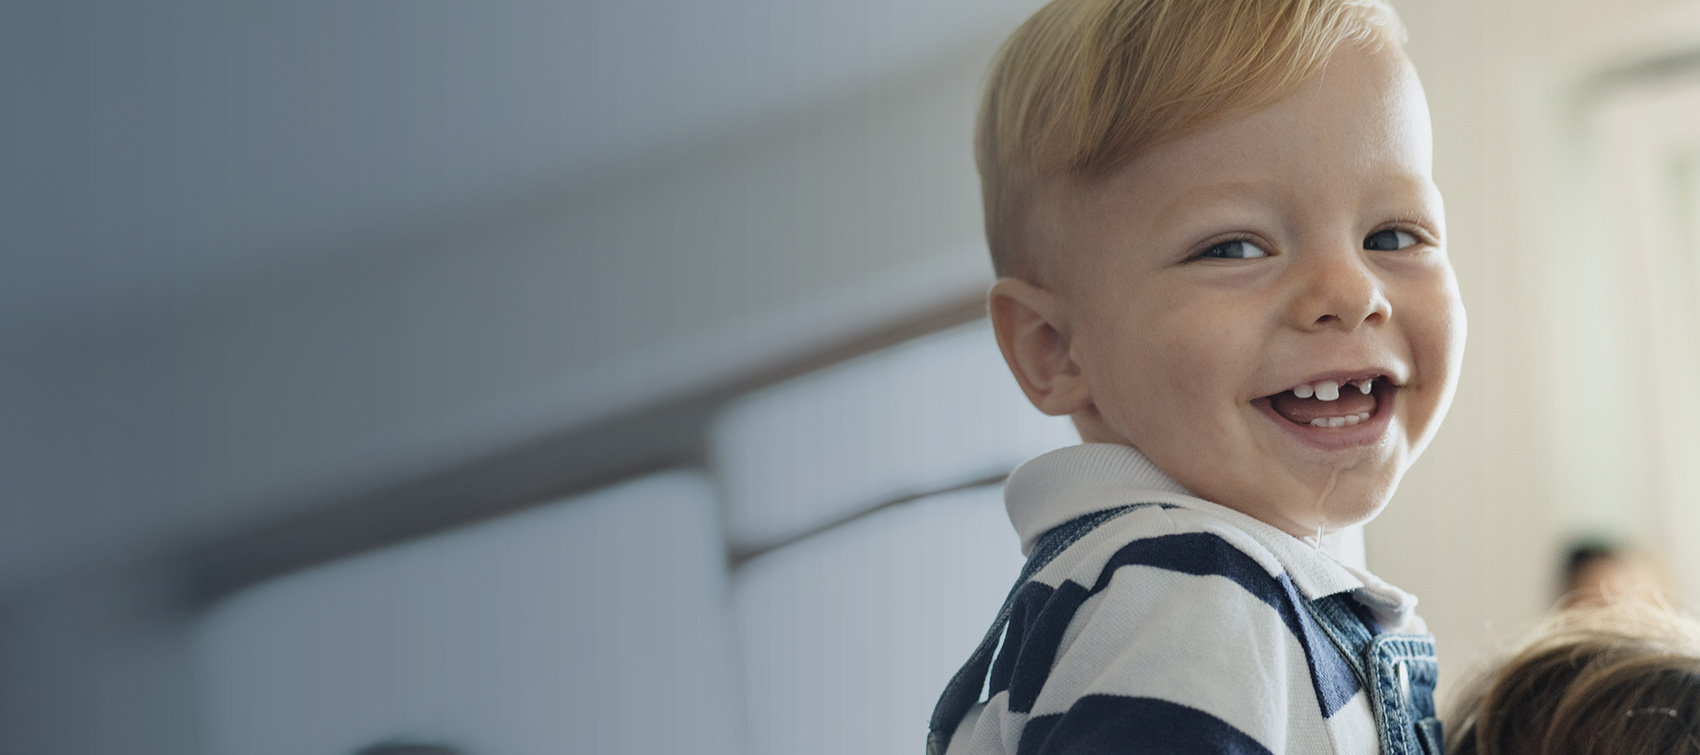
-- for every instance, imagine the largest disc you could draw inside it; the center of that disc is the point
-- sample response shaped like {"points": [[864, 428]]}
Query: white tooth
{"points": [[1352, 419], [1365, 385], [1319, 422], [1336, 421], [1303, 391], [1363, 416], [1328, 390]]}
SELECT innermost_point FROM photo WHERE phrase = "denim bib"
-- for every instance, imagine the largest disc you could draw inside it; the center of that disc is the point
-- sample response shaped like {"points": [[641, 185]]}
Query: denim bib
{"points": [[1398, 670]]}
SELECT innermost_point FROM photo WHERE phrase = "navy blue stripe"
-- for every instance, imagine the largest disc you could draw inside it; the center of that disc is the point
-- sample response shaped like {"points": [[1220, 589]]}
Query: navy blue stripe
{"points": [[1024, 610], [1043, 637], [1116, 725], [1332, 677], [1197, 553]]}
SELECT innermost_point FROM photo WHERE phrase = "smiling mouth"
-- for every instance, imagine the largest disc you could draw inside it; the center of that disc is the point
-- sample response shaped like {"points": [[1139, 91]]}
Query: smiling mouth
{"points": [[1332, 403]]}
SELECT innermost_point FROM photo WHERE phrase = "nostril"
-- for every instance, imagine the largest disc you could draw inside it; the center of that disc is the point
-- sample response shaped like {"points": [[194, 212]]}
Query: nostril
{"points": [[1372, 317]]}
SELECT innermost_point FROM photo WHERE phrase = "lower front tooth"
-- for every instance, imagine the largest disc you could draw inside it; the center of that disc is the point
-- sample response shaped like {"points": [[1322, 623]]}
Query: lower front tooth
{"points": [[1352, 419], [1319, 422], [1336, 421]]}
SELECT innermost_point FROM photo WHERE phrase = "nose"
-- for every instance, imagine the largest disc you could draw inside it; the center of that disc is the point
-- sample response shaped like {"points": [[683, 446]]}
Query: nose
{"points": [[1340, 292]]}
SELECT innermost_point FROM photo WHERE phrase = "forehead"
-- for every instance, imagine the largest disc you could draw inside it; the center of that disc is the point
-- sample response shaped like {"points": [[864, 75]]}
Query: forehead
{"points": [[1362, 118], [1364, 114]]}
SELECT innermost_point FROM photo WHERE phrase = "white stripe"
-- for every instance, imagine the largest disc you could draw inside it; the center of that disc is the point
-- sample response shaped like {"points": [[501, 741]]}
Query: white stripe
{"points": [[1203, 642]]}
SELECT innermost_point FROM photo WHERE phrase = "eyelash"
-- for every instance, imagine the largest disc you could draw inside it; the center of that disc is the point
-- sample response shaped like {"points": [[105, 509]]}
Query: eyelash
{"points": [[1411, 225], [1247, 240], [1418, 234]]}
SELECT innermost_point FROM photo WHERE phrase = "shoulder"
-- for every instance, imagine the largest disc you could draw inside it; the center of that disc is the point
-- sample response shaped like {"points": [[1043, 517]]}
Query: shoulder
{"points": [[1159, 587], [1168, 607]]}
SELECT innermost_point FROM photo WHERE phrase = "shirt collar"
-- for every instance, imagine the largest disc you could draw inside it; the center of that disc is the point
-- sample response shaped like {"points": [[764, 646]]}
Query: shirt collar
{"points": [[1070, 482]]}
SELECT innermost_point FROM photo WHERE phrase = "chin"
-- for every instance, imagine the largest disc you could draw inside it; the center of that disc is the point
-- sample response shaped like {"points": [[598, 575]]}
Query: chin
{"points": [[1350, 502], [1352, 506], [1355, 512]]}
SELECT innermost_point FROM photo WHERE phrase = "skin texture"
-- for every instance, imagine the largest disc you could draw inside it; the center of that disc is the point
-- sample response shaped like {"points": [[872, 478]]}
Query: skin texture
{"points": [[1139, 328]]}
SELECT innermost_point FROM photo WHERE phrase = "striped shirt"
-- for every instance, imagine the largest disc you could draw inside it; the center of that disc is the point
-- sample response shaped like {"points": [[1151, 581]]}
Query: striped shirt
{"points": [[1181, 626]]}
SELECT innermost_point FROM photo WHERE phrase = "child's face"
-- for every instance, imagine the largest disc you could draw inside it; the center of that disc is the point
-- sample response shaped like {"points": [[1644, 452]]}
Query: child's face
{"points": [[1206, 280]]}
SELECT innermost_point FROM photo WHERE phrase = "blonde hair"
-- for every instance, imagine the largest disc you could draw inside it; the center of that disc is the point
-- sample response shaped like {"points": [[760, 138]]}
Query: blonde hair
{"points": [[1085, 85], [1616, 680]]}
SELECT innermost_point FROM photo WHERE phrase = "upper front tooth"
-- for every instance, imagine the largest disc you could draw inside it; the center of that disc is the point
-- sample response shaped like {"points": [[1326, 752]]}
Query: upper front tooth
{"points": [[1303, 390], [1365, 384], [1327, 390]]}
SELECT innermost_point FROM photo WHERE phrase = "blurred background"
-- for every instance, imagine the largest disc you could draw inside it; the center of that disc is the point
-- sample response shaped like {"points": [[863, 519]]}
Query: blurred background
{"points": [[597, 377]]}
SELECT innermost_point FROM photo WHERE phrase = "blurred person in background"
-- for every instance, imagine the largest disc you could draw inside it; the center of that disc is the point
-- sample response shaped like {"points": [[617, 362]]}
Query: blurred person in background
{"points": [[1598, 573]]}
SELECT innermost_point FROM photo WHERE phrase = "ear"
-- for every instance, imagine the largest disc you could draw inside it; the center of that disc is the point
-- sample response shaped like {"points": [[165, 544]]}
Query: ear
{"points": [[1036, 343]]}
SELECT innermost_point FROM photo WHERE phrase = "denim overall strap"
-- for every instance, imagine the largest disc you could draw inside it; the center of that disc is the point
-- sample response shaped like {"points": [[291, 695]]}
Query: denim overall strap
{"points": [[1347, 631], [964, 688], [1398, 671]]}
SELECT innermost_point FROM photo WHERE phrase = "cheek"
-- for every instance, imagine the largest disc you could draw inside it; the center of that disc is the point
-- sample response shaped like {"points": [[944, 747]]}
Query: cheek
{"points": [[1437, 333], [1210, 356], [1167, 355], [1184, 385], [1172, 360], [1133, 371]]}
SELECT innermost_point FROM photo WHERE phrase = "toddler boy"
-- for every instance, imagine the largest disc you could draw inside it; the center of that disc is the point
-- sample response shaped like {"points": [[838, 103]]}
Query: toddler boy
{"points": [[1221, 252]]}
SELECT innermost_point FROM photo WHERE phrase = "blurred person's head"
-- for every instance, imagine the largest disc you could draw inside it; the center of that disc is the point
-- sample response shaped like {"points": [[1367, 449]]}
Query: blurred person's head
{"points": [[1600, 573], [1219, 242], [1614, 680]]}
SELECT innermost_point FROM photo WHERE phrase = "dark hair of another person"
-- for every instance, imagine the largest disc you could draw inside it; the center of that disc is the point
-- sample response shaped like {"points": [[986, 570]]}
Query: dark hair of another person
{"points": [[1619, 680], [1586, 552]]}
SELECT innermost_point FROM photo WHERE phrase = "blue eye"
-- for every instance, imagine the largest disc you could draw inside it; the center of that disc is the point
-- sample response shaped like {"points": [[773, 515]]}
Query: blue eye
{"points": [[1238, 249], [1390, 240]]}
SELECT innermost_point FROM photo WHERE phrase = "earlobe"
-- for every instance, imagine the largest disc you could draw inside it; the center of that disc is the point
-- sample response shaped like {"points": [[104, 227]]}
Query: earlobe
{"points": [[1037, 344]]}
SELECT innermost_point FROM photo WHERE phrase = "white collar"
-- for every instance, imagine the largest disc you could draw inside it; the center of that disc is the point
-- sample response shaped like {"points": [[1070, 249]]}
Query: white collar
{"points": [[1070, 482]]}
